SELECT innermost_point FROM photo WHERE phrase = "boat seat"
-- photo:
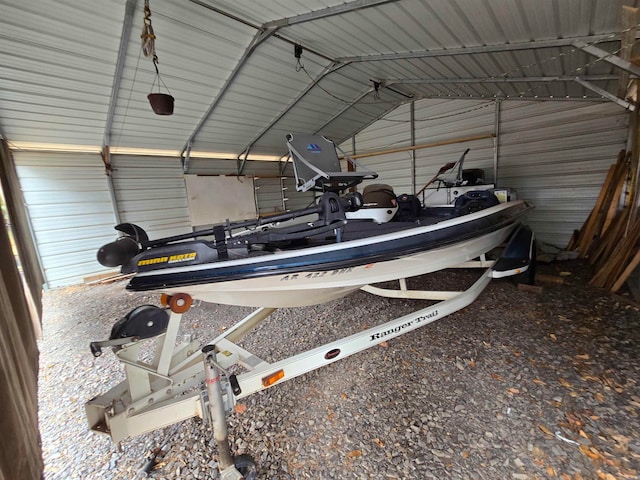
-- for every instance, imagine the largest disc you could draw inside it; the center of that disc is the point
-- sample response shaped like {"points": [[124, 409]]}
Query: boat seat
{"points": [[317, 167]]}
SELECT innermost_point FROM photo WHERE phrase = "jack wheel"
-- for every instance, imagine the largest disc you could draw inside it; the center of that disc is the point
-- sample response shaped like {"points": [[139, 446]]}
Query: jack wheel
{"points": [[180, 302], [246, 465]]}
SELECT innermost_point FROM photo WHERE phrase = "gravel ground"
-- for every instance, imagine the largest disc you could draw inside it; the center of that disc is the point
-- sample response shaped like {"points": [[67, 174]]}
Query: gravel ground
{"points": [[515, 386]]}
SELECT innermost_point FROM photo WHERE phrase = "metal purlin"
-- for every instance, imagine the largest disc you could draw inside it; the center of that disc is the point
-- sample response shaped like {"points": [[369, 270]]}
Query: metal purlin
{"points": [[446, 52]]}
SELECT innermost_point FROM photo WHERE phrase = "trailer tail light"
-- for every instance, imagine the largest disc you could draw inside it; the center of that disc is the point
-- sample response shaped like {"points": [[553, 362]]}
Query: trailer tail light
{"points": [[272, 378]]}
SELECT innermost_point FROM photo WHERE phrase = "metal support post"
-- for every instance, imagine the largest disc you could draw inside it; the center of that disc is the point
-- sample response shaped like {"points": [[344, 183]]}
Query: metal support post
{"points": [[216, 407]]}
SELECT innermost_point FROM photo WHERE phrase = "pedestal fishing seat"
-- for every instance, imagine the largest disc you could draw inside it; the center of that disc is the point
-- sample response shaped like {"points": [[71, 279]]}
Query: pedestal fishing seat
{"points": [[317, 166]]}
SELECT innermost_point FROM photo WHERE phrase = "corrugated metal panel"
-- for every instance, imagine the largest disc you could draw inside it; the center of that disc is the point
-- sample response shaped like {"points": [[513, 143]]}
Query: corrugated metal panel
{"points": [[393, 131], [268, 82], [151, 193], [445, 23], [340, 105], [56, 69], [555, 154], [68, 201], [295, 200], [435, 121], [262, 12], [197, 49], [269, 194]]}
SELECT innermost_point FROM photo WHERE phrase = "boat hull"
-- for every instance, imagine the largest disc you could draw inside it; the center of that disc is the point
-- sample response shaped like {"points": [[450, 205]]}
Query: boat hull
{"points": [[313, 287], [320, 274]]}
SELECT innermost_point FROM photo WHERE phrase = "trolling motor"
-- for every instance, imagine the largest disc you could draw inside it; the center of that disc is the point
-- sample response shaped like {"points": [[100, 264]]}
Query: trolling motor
{"points": [[142, 322], [330, 209], [124, 248]]}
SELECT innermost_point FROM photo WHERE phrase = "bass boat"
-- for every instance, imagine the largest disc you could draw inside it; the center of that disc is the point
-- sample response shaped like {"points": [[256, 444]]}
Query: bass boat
{"points": [[298, 258], [295, 264]]}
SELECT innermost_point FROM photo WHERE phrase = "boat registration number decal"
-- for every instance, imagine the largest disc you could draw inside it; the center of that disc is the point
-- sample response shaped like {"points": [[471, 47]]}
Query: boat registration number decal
{"points": [[328, 273], [182, 257]]}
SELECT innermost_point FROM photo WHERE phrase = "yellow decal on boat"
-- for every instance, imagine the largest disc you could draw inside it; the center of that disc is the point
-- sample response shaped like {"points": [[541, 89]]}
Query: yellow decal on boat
{"points": [[152, 261], [183, 257]]}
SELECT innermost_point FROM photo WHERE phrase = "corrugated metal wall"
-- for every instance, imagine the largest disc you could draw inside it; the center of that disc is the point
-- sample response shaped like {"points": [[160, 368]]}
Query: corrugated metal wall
{"points": [[150, 192], [435, 121], [555, 153], [71, 214]]}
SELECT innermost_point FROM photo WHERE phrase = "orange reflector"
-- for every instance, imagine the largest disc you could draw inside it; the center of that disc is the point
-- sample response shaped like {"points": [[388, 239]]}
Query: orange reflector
{"points": [[273, 378], [180, 302], [164, 299]]}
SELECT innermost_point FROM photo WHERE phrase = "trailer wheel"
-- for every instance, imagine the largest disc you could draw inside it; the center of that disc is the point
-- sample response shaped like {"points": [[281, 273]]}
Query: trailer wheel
{"points": [[246, 465]]}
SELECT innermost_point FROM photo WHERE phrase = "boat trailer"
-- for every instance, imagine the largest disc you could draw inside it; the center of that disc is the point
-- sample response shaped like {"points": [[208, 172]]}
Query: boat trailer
{"points": [[190, 379]]}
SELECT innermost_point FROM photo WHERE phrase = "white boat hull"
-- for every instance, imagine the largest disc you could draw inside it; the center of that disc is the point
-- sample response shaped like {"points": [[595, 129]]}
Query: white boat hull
{"points": [[315, 287]]}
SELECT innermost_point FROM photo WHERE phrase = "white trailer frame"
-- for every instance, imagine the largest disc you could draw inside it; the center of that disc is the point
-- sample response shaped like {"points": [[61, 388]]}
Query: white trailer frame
{"points": [[189, 379]]}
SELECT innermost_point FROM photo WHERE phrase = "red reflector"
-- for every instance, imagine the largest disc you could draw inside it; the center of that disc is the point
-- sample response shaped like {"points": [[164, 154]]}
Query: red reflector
{"points": [[332, 354]]}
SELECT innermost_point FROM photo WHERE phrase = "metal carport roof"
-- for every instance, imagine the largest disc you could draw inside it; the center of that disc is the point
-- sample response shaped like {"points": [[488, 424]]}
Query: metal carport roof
{"points": [[72, 72]]}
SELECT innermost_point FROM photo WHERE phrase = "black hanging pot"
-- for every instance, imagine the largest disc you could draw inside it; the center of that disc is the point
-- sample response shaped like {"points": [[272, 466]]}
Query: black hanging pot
{"points": [[161, 103]]}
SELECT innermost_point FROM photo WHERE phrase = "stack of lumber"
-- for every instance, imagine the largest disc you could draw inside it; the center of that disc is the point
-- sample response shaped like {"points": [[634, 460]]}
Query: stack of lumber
{"points": [[610, 236]]}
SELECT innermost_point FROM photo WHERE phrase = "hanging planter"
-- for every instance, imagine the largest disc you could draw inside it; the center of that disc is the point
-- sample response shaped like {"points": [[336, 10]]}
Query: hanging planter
{"points": [[161, 103]]}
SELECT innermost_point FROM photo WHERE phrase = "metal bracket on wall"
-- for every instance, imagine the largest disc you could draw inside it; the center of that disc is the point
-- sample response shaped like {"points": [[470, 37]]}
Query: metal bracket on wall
{"points": [[243, 162], [608, 57], [185, 157], [602, 92], [105, 154]]}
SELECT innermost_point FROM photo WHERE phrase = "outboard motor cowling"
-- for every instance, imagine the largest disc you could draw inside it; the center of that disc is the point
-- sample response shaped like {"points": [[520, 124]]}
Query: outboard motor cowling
{"points": [[474, 201]]}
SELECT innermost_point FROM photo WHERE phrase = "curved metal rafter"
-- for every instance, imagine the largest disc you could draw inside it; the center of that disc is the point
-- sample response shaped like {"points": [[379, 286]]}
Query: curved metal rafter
{"points": [[327, 71], [129, 11], [266, 31]]}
